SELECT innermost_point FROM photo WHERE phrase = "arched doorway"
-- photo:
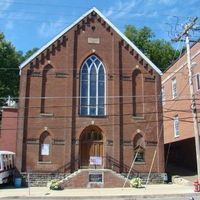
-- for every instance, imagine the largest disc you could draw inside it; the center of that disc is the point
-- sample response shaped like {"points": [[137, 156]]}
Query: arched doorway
{"points": [[91, 145]]}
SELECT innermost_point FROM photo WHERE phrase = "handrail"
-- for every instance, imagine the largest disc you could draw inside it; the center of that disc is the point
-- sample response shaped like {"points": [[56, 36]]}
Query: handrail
{"points": [[110, 163], [66, 166], [115, 163]]}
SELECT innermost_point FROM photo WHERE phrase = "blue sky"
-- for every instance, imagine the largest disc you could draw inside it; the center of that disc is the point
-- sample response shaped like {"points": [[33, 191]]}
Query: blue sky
{"points": [[29, 24]]}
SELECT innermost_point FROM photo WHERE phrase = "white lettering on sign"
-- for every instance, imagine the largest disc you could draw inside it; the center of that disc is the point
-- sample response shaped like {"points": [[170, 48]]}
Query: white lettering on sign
{"points": [[93, 40], [94, 160]]}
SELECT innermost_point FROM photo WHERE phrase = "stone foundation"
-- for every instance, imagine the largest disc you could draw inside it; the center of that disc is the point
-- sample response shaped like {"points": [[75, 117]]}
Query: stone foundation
{"points": [[40, 179], [80, 178], [154, 178]]}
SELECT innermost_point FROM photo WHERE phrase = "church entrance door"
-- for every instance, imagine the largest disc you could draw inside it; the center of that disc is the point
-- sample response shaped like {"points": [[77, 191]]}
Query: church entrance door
{"points": [[91, 145]]}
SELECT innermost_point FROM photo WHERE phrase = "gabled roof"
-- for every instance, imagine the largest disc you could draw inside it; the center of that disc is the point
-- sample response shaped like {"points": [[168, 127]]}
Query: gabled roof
{"points": [[76, 22]]}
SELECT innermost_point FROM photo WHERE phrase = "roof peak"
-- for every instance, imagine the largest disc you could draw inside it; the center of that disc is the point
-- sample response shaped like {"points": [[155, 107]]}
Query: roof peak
{"points": [[93, 9]]}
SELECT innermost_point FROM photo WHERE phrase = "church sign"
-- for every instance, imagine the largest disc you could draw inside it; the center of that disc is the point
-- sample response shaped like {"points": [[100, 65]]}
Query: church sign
{"points": [[96, 177], [95, 160]]}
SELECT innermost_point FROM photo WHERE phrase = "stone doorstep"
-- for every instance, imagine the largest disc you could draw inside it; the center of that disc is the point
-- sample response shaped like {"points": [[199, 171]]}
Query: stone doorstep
{"points": [[71, 182]]}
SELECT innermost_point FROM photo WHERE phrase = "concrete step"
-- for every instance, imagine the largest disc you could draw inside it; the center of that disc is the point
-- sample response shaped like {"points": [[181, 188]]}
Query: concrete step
{"points": [[108, 178]]}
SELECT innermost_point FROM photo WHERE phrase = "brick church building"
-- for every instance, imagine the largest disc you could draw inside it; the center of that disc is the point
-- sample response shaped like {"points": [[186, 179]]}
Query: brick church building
{"points": [[88, 94]]}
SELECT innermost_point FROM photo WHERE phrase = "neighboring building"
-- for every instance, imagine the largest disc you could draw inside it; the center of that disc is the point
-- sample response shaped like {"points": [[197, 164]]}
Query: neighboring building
{"points": [[89, 92], [8, 129], [178, 123]]}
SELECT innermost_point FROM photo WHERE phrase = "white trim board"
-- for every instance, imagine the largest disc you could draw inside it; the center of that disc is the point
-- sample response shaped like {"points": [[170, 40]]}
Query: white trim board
{"points": [[76, 22]]}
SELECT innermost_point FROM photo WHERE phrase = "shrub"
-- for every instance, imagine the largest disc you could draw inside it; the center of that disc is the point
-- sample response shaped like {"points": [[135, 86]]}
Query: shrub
{"points": [[136, 183], [55, 185]]}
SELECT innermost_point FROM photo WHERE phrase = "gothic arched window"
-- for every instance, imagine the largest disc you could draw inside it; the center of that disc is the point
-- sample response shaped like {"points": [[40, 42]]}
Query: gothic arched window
{"points": [[139, 148], [137, 91], [47, 83], [92, 87]]}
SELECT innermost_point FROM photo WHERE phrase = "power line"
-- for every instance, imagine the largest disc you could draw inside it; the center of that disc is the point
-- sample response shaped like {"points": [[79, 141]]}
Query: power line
{"points": [[98, 124], [107, 97], [110, 104]]}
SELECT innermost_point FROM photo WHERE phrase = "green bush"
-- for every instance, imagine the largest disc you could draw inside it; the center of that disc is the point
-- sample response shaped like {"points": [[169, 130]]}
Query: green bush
{"points": [[55, 185], [136, 183]]}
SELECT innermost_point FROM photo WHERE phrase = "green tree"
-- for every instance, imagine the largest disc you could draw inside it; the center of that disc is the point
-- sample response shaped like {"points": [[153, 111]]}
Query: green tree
{"points": [[9, 72], [10, 60], [160, 52], [29, 53]]}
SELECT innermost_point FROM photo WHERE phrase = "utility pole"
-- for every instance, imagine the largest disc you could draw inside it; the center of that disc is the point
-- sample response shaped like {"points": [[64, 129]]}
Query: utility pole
{"points": [[185, 33]]}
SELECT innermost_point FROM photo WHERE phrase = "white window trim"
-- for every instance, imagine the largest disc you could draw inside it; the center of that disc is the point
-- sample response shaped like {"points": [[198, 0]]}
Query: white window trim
{"points": [[175, 121], [198, 82], [88, 93], [174, 94]]}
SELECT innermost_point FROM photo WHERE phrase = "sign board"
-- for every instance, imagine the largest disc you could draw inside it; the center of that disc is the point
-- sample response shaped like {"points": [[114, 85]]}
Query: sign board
{"points": [[95, 160], [45, 149], [96, 177], [92, 40]]}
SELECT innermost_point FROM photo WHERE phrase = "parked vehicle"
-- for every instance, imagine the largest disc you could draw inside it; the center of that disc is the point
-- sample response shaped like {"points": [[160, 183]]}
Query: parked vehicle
{"points": [[7, 166]]}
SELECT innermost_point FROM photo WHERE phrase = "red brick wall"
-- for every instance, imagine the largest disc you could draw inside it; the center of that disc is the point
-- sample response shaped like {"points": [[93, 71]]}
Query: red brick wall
{"points": [[181, 105], [8, 129], [81, 180], [65, 125]]}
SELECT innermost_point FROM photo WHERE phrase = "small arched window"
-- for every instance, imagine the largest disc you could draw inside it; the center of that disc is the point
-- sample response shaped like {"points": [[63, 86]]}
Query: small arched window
{"points": [[139, 148], [92, 87], [137, 91], [45, 147]]}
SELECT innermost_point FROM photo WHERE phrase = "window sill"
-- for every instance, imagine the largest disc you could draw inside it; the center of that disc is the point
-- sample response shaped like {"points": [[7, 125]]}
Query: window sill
{"points": [[198, 90], [138, 118], [94, 116], [44, 162], [176, 136], [140, 163], [46, 114], [175, 98]]}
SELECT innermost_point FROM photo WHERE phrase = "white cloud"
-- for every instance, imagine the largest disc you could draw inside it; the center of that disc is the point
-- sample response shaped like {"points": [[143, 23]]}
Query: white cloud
{"points": [[161, 2], [167, 2], [11, 19], [49, 29], [121, 9], [4, 5], [144, 13]]}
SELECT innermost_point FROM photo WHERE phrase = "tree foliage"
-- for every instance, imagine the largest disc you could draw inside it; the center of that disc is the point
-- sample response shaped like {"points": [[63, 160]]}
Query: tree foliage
{"points": [[29, 53], [9, 72], [160, 52]]}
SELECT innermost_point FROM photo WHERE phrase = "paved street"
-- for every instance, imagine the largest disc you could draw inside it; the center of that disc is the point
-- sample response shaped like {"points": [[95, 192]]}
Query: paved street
{"points": [[156, 192]]}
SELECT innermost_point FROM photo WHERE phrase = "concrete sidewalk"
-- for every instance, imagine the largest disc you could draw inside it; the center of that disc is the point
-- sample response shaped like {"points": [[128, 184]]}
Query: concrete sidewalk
{"points": [[150, 190]]}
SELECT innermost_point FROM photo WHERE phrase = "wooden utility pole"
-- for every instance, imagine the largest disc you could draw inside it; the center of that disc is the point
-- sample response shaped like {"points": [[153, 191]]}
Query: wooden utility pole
{"points": [[185, 33]]}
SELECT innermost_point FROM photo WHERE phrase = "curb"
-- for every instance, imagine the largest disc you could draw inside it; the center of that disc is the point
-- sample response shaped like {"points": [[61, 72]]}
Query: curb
{"points": [[107, 197]]}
